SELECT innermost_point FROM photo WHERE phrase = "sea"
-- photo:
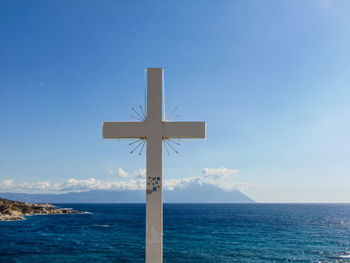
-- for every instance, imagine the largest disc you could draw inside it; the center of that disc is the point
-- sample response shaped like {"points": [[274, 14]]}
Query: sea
{"points": [[192, 233]]}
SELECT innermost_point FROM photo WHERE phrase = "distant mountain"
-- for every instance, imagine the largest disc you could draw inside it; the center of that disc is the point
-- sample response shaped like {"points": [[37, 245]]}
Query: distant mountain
{"points": [[205, 193], [193, 193]]}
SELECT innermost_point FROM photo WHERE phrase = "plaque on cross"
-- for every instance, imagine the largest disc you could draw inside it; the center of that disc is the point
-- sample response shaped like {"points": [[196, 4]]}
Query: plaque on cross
{"points": [[154, 129]]}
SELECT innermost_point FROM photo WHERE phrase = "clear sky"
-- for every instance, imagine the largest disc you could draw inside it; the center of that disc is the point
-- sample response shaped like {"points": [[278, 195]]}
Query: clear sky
{"points": [[270, 78]]}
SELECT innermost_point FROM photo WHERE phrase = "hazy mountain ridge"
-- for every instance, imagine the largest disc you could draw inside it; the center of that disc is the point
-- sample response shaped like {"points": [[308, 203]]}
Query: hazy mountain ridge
{"points": [[204, 193]]}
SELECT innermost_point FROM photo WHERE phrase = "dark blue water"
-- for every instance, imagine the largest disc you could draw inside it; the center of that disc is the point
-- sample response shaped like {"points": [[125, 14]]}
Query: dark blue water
{"points": [[192, 233]]}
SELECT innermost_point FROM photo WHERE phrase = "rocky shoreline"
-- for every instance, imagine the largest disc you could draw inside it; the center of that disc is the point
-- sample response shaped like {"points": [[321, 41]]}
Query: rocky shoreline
{"points": [[14, 210]]}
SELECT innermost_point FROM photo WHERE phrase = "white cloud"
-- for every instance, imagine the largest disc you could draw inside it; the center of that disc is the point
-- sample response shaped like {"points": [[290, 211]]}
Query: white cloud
{"points": [[35, 186], [219, 172], [93, 184], [140, 173], [73, 185], [121, 173], [220, 177], [7, 183]]}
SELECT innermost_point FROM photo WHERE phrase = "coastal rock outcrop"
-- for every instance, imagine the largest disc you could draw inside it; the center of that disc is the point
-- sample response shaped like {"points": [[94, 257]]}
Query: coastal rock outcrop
{"points": [[14, 210]]}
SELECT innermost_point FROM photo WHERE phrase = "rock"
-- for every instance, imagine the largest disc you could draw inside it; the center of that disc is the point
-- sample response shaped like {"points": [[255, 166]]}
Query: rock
{"points": [[14, 210]]}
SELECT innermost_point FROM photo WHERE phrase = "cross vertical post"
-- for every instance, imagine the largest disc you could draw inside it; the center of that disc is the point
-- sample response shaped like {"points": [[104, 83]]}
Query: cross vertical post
{"points": [[154, 202]]}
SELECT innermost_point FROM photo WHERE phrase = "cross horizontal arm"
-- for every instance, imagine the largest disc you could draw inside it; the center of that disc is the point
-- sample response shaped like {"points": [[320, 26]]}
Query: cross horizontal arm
{"points": [[184, 130], [114, 130]]}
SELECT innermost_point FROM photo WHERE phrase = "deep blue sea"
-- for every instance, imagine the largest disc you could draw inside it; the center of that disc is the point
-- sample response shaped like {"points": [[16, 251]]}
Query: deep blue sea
{"points": [[192, 233]]}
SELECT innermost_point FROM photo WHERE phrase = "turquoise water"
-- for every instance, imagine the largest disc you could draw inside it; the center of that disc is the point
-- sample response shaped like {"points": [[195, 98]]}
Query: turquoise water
{"points": [[192, 233]]}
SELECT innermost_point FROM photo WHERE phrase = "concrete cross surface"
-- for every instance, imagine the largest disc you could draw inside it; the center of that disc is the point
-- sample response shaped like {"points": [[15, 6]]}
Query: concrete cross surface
{"points": [[154, 129]]}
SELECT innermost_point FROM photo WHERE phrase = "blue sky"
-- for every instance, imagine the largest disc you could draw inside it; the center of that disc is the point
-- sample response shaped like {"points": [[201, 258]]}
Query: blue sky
{"points": [[270, 78]]}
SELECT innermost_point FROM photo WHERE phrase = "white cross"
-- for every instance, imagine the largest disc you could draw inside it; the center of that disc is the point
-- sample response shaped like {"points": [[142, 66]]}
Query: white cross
{"points": [[154, 129]]}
